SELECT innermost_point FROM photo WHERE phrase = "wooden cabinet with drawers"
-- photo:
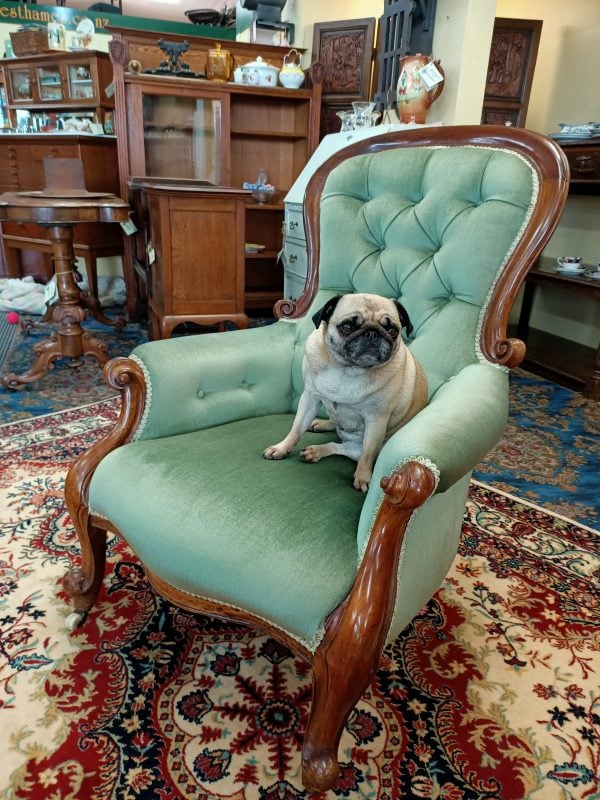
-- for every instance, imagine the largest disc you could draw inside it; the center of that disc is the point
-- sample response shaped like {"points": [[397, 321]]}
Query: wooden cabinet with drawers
{"points": [[584, 164], [185, 282]]}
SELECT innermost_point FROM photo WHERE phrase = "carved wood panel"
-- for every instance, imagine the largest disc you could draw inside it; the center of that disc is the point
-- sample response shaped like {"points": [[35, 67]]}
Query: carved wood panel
{"points": [[513, 54], [345, 50]]}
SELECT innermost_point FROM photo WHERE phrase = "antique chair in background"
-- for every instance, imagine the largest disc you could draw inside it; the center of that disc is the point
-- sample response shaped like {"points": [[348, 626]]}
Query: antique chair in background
{"points": [[448, 220]]}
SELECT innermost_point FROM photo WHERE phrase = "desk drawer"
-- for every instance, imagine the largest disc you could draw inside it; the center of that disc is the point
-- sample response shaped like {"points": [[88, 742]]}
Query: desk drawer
{"points": [[584, 163], [294, 222], [295, 256]]}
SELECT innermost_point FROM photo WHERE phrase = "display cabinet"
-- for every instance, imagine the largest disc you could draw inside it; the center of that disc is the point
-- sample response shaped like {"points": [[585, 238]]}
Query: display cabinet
{"points": [[224, 133], [58, 82]]}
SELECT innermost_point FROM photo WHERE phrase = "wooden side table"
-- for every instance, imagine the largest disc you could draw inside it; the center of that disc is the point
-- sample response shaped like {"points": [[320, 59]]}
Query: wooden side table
{"points": [[190, 251], [556, 356], [59, 212]]}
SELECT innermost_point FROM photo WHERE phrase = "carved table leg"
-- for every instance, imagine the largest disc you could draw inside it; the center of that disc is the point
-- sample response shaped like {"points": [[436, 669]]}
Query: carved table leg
{"points": [[69, 341]]}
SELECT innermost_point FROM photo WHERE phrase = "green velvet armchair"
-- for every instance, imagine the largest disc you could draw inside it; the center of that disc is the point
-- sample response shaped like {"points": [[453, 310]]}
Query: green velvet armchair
{"points": [[448, 220]]}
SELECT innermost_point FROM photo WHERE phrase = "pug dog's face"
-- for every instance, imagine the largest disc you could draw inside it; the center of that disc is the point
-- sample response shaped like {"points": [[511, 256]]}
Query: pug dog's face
{"points": [[363, 330]]}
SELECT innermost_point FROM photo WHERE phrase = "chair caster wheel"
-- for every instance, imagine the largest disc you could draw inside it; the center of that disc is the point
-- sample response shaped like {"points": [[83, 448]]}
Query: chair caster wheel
{"points": [[74, 620]]}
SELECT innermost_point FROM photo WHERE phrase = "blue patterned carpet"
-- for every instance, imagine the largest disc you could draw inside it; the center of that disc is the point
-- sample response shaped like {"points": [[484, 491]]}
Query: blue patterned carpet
{"points": [[550, 452]]}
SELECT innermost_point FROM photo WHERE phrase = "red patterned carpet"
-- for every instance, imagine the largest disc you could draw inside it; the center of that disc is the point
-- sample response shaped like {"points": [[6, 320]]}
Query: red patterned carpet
{"points": [[492, 691]]}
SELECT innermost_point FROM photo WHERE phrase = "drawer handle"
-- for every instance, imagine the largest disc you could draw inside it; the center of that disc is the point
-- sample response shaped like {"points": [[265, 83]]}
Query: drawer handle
{"points": [[583, 163], [293, 225], [292, 258]]}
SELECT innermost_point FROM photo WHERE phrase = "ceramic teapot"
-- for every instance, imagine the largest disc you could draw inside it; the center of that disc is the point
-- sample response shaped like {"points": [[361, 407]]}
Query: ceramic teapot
{"points": [[291, 74], [259, 73], [413, 96]]}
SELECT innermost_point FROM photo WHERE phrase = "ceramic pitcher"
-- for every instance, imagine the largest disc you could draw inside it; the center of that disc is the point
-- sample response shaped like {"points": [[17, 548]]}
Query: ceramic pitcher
{"points": [[413, 97]]}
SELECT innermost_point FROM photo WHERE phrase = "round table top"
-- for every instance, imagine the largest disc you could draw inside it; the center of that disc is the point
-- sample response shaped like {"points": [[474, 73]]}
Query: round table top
{"points": [[66, 207]]}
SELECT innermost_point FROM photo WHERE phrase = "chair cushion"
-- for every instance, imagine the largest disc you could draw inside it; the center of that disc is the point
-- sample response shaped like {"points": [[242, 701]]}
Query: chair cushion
{"points": [[277, 538]]}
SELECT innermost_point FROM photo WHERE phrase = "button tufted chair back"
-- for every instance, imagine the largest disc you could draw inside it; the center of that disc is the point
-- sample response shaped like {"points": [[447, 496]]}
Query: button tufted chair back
{"points": [[432, 224]]}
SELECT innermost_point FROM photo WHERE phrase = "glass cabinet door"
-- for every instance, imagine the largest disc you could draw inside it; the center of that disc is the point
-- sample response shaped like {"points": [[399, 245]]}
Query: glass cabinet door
{"points": [[80, 85], [49, 83], [182, 137], [20, 85]]}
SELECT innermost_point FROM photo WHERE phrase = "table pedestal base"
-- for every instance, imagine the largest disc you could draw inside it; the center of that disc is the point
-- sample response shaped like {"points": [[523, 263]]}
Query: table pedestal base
{"points": [[70, 341]]}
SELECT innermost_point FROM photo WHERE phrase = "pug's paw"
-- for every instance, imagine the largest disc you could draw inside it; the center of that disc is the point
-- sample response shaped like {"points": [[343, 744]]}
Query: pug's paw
{"points": [[321, 425], [277, 451], [312, 453], [362, 479]]}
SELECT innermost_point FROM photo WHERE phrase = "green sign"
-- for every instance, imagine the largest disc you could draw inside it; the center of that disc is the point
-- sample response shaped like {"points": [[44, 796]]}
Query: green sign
{"points": [[27, 14]]}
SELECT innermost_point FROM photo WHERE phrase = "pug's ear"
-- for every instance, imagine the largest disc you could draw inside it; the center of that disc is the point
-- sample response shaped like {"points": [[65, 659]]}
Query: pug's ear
{"points": [[404, 318], [324, 314]]}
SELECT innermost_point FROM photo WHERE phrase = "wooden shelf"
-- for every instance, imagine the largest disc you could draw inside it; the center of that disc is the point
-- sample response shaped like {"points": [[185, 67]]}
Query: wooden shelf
{"points": [[563, 361], [262, 254], [268, 134]]}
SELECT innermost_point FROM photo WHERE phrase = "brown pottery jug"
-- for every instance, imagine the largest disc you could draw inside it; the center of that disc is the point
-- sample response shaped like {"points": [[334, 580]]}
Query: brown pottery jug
{"points": [[413, 97]]}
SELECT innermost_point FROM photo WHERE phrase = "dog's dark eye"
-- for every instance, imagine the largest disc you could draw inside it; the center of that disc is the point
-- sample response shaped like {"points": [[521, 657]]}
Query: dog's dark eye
{"points": [[392, 330], [347, 327]]}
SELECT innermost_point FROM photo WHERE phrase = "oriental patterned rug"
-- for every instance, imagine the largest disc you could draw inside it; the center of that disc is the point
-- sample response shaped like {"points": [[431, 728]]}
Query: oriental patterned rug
{"points": [[491, 692]]}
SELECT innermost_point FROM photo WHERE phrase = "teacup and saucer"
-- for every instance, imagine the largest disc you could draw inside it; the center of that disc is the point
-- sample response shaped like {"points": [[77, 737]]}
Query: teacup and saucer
{"points": [[570, 265]]}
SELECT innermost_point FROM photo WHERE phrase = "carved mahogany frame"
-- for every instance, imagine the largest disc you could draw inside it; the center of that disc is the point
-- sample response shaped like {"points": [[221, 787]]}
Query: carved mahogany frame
{"points": [[550, 165], [344, 663]]}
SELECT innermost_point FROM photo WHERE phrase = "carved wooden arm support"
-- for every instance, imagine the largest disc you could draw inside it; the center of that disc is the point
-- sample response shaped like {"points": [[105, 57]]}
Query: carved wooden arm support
{"points": [[355, 634], [83, 582]]}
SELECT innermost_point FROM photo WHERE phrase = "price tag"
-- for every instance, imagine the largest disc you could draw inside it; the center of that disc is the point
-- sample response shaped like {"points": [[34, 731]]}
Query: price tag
{"points": [[430, 75], [129, 227], [50, 291], [150, 254]]}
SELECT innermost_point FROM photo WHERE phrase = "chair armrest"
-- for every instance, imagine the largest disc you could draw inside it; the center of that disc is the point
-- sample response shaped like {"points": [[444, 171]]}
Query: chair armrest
{"points": [[463, 421], [199, 381]]}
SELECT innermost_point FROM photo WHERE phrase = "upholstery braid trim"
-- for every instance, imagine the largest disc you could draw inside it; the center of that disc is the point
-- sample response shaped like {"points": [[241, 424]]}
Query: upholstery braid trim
{"points": [[534, 196], [146, 412]]}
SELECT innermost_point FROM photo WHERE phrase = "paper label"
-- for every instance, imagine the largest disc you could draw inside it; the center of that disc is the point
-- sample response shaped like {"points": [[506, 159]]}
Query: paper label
{"points": [[50, 291], [430, 75], [150, 254], [129, 227]]}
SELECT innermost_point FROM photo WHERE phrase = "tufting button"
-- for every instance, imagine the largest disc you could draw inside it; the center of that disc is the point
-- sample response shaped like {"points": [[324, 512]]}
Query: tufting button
{"points": [[200, 393]]}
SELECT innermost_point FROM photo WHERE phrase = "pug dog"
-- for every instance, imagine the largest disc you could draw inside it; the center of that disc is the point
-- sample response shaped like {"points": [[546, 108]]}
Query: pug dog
{"points": [[357, 365]]}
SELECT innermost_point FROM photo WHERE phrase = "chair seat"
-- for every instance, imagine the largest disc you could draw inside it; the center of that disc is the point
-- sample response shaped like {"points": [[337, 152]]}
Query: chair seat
{"points": [[225, 534]]}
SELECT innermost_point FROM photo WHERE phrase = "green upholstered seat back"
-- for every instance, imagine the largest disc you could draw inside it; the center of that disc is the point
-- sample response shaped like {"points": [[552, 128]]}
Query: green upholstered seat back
{"points": [[432, 227]]}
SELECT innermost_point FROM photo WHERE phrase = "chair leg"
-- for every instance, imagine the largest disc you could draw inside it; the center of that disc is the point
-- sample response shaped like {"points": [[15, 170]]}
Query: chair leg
{"points": [[355, 633], [340, 676], [83, 582]]}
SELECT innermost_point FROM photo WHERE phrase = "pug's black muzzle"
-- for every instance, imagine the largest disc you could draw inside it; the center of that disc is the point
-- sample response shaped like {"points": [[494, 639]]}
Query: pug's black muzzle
{"points": [[368, 346]]}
